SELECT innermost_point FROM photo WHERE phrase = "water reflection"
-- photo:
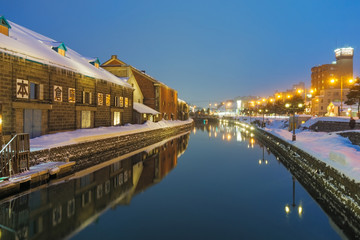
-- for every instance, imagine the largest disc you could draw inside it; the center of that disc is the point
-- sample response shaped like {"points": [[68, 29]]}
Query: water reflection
{"points": [[233, 132], [64, 209]]}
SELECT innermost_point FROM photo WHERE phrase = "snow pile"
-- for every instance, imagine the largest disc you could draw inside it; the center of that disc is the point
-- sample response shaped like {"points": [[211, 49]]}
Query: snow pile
{"points": [[331, 148], [141, 108], [84, 135], [277, 123], [30, 45]]}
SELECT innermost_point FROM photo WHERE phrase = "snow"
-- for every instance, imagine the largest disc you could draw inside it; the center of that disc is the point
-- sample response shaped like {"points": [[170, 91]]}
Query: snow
{"points": [[331, 148], [30, 45], [141, 108], [85, 135]]}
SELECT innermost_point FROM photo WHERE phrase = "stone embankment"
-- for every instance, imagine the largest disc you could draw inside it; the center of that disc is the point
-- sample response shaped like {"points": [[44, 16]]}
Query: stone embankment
{"points": [[82, 153], [338, 195], [354, 137], [331, 126]]}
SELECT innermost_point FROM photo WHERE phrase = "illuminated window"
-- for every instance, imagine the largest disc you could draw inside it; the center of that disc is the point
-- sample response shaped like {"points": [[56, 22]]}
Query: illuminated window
{"points": [[71, 95], [100, 99], [107, 99], [126, 102], [117, 118]]}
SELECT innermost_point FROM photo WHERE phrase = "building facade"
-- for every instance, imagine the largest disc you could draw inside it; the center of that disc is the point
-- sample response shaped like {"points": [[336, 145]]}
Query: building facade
{"points": [[42, 90], [148, 90], [331, 82]]}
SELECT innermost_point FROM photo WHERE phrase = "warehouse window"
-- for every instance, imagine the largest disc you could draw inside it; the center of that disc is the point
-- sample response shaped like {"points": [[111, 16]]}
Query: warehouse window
{"points": [[36, 91]]}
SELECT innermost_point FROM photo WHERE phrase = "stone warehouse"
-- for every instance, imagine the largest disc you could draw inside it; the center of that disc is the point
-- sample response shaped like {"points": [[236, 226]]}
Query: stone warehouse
{"points": [[47, 87]]}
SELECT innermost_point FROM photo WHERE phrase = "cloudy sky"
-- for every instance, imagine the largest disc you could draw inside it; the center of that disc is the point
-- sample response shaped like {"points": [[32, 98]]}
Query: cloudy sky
{"points": [[209, 50]]}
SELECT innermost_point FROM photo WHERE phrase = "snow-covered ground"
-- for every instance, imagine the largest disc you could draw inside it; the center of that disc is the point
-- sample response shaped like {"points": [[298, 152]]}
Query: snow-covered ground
{"points": [[84, 135], [330, 148]]}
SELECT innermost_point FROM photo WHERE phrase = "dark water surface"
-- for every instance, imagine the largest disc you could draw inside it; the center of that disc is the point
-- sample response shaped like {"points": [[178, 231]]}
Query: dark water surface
{"points": [[215, 183]]}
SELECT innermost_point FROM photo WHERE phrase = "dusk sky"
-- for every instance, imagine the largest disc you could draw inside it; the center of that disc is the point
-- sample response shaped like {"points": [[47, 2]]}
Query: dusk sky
{"points": [[209, 51]]}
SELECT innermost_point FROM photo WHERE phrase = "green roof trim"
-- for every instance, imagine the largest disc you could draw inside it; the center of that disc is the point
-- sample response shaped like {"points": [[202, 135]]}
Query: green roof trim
{"points": [[62, 46], [95, 61], [4, 22]]}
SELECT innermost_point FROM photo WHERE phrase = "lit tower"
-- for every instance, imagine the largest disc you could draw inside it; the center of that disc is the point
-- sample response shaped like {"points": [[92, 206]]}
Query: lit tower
{"points": [[344, 62]]}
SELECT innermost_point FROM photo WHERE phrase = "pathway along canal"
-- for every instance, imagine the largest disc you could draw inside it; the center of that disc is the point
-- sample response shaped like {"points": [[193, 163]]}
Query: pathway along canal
{"points": [[215, 183]]}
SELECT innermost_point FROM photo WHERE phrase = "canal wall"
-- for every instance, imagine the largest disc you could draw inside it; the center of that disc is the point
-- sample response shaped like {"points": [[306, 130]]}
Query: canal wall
{"points": [[338, 195], [83, 153]]}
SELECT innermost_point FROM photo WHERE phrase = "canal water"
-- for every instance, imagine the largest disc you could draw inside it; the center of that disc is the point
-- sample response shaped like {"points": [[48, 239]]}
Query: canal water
{"points": [[217, 182]]}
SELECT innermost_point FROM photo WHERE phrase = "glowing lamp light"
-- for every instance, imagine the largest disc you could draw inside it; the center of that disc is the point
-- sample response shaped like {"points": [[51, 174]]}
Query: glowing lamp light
{"points": [[287, 105], [288, 96], [263, 99], [228, 137], [287, 209], [260, 162], [351, 81], [300, 105], [300, 210], [332, 80], [0, 120]]}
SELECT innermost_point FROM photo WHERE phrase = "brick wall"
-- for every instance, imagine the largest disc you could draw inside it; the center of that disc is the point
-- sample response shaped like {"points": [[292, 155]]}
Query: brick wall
{"points": [[147, 89]]}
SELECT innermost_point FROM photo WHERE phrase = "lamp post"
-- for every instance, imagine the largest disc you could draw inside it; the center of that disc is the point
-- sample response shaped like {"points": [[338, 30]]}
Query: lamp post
{"points": [[288, 105], [341, 90]]}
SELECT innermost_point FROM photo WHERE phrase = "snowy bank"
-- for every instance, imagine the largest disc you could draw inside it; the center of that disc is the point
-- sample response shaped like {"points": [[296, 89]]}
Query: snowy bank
{"points": [[331, 148], [85, 135]]}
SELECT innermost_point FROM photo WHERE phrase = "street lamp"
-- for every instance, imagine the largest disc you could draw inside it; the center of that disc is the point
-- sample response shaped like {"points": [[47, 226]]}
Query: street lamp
{"points": [[351, 81], [288, 105]]}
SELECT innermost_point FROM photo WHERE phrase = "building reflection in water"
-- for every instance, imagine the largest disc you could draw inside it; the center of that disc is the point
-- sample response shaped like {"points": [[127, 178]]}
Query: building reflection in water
{"points": [[64, 209]]}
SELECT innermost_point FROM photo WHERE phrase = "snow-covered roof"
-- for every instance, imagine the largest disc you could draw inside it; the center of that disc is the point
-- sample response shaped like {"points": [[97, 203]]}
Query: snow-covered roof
{"points": [[28, 44], [141, 108]]}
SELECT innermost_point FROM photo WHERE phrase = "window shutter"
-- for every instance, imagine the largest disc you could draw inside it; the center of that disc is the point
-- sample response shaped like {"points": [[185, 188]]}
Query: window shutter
{"points": [[41, 92], [83, 95], [90, 98]]}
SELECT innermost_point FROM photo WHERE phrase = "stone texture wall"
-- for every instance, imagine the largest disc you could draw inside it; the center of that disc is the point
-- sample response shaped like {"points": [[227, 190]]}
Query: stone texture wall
{"points": [[338, 195], [322, 126], [116, 146], [56, 116], [354, 137]]}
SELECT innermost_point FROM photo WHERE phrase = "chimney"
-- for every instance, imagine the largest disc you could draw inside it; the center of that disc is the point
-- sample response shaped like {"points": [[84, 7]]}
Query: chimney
{"points": [[113, 56], [143, 71]]}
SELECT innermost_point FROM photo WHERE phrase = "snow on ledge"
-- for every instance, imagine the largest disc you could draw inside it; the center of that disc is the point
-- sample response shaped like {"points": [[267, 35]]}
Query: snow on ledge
{"points": [[92, 134]]}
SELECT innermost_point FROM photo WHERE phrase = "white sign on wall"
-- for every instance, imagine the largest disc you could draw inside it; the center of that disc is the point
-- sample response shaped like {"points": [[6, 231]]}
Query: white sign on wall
{"points": [[22, 88]]}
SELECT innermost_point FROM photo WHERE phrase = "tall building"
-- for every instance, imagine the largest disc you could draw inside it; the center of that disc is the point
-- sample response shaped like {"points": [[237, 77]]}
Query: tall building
{"points": [[330, 82]]}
